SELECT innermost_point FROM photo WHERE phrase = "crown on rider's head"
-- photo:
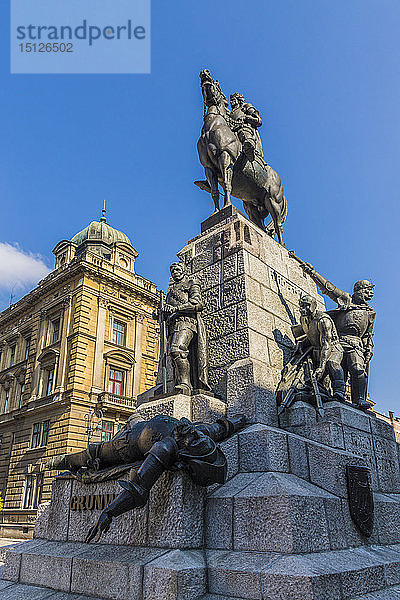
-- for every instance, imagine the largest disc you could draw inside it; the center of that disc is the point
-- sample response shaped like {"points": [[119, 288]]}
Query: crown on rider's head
{"points": [[237, 95]]}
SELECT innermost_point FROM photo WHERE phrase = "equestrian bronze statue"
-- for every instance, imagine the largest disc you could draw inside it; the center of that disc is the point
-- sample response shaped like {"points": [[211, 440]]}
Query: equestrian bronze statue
{"points": [[231, 153]]}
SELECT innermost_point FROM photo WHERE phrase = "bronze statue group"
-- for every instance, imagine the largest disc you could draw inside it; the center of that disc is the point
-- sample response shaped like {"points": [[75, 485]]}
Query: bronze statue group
{"points": [[332, 350]]}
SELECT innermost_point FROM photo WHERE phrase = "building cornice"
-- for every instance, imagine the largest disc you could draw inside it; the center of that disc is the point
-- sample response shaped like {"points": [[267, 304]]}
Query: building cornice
{"points": [[65, 274]]}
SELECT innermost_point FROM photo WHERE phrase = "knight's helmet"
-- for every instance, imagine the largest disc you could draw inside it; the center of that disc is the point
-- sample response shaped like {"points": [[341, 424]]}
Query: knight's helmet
{"points": [[362, 285], [308, 300], [180, 265]]}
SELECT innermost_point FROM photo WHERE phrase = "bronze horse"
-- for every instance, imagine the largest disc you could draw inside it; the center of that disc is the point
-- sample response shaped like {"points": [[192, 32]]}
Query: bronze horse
{"points": [[220, 152]]}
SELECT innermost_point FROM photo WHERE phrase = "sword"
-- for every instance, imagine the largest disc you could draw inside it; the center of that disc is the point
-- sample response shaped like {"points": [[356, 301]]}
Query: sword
{"points": [[314, 383], [288, 399], [163, 332]]}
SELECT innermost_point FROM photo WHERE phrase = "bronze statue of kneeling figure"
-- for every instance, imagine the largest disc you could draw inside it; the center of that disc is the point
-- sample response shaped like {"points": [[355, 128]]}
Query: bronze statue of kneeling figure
{"points": [[162, 443]]}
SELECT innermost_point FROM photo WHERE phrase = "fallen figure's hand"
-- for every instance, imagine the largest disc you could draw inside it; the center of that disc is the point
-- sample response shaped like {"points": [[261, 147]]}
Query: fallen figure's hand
{"points": [[102, 526]]}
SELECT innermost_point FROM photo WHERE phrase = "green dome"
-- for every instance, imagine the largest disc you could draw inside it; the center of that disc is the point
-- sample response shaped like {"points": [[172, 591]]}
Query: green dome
{"points": [[100, 231]]}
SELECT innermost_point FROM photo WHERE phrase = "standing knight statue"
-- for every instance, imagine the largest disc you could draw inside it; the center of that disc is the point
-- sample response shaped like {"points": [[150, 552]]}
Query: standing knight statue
{"points": [[320, 352], [354, 319], [187, 341]]}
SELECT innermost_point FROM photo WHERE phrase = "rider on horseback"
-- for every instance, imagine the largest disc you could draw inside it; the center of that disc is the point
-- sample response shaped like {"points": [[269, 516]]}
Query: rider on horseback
{"points": [[231, 153], [246, 119]]}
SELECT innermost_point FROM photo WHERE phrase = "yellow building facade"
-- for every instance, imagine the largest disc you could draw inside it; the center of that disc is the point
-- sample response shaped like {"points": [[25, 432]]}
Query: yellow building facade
{"points": [[79, 348]]}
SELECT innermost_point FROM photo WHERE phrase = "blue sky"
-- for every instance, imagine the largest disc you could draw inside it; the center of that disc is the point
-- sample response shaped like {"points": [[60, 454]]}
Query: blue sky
{"points": [[325, 77]]}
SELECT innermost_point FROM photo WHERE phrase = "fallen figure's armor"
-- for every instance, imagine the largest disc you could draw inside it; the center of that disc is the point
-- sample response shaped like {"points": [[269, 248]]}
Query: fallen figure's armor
{"points": [[162, 443]]}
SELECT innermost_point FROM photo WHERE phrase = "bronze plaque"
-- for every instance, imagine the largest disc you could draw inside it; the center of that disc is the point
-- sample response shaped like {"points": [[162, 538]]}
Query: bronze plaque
{"points": [[361, 499]]}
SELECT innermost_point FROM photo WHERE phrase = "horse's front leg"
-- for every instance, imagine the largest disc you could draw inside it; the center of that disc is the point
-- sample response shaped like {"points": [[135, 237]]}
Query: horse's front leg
{"points": [[213, 182], [225, 165]]}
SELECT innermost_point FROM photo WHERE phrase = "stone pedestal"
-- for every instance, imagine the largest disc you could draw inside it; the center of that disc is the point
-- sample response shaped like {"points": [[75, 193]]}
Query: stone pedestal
{"points": [[199, 407], [280, 527], [251, 288]]}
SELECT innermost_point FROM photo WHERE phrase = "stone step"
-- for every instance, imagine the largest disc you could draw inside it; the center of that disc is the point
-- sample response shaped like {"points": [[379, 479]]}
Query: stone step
{"points": [[18, 591], [218, 597], [390, 593], [279, 512], [332, 575], [347, 428], [262, 448], [107, 571]]}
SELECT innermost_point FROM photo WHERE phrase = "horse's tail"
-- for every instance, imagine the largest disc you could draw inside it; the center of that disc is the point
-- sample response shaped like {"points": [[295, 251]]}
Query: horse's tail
{"points": [[284, 210]]}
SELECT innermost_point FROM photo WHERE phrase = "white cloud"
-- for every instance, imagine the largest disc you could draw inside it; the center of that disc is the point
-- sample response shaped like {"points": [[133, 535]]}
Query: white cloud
{"points": [[19, 269]]}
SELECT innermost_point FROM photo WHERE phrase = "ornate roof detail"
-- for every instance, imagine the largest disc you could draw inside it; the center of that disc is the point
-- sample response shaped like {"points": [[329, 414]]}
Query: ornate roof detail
{"points": [[100, 231]]}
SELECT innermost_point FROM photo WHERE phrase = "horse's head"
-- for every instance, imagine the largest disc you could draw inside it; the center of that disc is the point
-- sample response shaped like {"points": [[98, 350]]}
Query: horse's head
{"points": [[211, 90]]}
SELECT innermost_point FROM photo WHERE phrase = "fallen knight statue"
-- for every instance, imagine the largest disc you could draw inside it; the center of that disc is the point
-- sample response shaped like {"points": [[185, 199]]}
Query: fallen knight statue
{"points": [[162, 443]]}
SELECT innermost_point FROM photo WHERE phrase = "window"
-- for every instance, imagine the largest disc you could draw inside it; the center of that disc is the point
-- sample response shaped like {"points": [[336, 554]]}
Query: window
{"points": [[49, 382], [40, 434], [107, 431], [56, 331], [21, 395], [32, 490], [115, 381], [27, 347], [35, 443], [6, 398], [118, 333], [45, 433], [12, 354]]}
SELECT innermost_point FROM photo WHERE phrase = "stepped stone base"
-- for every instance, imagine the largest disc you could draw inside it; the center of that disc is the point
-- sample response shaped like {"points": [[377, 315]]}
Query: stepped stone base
{"points": [[121, 573], [280, 527], [333, 575], [110, 572], [349, 429]]}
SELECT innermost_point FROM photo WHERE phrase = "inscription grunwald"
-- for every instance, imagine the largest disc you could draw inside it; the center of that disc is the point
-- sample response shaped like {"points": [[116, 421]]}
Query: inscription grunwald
{"points": [[91, 502]]}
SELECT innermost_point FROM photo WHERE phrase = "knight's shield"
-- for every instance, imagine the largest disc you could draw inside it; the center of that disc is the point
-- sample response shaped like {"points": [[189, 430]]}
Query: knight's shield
{"points": [[361, 499]]}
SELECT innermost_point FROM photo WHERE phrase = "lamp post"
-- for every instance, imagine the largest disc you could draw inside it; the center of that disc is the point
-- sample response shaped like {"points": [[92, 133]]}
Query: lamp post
{"points": [[93, 422]]}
